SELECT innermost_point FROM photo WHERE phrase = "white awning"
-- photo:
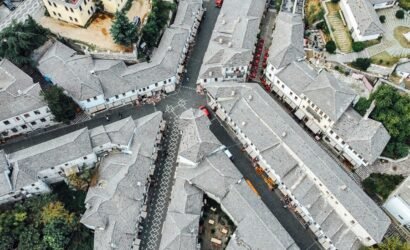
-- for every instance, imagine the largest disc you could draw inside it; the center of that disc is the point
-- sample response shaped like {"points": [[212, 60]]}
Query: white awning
{"points": [[300, 114], [312, 126]]}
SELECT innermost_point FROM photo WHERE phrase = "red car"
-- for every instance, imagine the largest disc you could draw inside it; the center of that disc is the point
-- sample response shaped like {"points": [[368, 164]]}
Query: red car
{"points": [[218, 3], [205, 111]]}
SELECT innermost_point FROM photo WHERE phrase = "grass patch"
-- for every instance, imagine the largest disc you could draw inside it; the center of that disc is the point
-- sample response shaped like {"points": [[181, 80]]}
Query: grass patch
{"points": [[384, 59], [399, 35], [405, 4], [370, 43], [314, 11]]}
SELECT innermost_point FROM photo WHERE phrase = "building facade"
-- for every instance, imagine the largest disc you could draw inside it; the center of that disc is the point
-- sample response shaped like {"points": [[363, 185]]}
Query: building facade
{"points": [[22, 108]]}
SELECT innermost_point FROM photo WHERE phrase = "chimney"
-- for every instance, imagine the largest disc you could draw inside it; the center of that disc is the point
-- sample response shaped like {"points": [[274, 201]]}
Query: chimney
{"points": [[220, 40], [233, 93]]}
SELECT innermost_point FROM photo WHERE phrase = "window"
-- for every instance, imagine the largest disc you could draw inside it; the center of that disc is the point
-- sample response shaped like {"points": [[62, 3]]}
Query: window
{"points": [[291, 93], [37, 188], [296, 98], [59, 14], [88, 100], [33, 123], [33, 185], [337, 137], [156, 84], [107, 100], [88, 11], [55, 5], [204, 80], [92, 9], [36, 112], [343, 143], [43, 120], [133, 91], [66, 8], [85, 157], [49, 3], [14, 130], [95, 98], [116, 96], [331, 132], [76, 20], [6, 122], [165, 82], [216, 79], [169, 80], [27, 115], [72, 10], [123, 94], [283, 86], [81, 9], [23, 126], [17, 118]]}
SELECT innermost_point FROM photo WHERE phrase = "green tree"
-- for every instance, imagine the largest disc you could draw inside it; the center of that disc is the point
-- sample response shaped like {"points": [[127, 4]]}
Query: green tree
{"points": [[18, 40], [358, 46], [56, 211], [30, 239], [122, 30], [391, 243], [362, 105], [400, 14], [381, 184], [61, 106], [56, 234], [331, 46], [382, 18], [362, 63]]}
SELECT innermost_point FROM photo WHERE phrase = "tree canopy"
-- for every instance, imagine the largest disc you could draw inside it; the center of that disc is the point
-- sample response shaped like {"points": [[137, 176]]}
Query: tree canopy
{"points": [[358, 46], [381, 184], [362, 63], [18, 40], [331, 46], [157, 20], [391, 243], [45, 223], [393, 110], [122, 30], [61, 106]]}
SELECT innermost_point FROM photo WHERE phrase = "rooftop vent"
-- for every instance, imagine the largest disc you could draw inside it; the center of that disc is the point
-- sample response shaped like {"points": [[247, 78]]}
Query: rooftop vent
{"points": [[169, 48], [220, 40], [138, 183], [223, 21], [210, 73], [284, 134], [19, 92], [230, 44], [233, 93], [92, 71], [238, 19], [344, 187], [243, 123], [250, 97]]}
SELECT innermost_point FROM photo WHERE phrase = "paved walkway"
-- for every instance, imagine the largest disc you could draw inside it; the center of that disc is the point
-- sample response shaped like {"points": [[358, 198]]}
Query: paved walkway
{"points": [[392, 168], [23, 10], [389, 43]]}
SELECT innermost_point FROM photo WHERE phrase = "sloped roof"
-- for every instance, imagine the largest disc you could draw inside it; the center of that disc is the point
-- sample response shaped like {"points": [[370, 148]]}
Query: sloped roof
{"points": [[288, 40], [263, 114], [297, 76], [5, 186], [199, 141], [18, 93], [29, 161], [233, 37], [71, 71], [328, 93], [366, 18], [404, 67], [115, 202], [368, 137]]}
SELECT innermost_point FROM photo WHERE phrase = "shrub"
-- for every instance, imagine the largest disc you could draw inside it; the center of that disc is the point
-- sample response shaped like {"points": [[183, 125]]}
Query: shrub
{"points": [[400, 14], [362, 63], [331, 47], [358, 46], [382, 18], [381, 184]]}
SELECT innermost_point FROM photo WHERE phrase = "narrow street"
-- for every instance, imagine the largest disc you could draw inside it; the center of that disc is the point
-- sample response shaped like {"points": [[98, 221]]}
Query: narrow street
{"points": [[172, 106]]}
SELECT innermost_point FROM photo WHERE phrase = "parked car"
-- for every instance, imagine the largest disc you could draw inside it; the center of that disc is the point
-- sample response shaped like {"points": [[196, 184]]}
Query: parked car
{"points": [[205, 111], [229, 154], [137, 21], [9, 5]]}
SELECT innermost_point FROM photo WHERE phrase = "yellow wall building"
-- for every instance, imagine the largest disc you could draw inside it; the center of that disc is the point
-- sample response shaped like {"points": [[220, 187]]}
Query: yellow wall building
{"points": [[79, 11]]}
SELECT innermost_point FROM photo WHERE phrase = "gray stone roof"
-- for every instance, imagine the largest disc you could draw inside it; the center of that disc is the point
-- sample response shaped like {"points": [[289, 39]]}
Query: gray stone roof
{"points": [[331, 95], [378, 1], [233, 37], [119, 132], [403, 67], [29, 161], [366, 18], [198, 140], [403, 191], [265, 122], [297, 76], [328, 93], [185, 15], [115, 203], [18, 93], [215, 175], [71, 71], [5, 185], [288, 37], [366, 136]]}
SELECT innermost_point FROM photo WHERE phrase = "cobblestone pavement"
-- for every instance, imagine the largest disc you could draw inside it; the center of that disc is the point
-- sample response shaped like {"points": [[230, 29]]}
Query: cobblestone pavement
{"points": [[33, 8]]}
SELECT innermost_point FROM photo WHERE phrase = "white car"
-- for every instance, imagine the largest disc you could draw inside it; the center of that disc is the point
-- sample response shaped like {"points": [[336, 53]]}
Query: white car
{"points": [[228, 153]]}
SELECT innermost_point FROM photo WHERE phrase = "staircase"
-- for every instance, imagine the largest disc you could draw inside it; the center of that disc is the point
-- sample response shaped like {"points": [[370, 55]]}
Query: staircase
{"points": [[343, 39]]}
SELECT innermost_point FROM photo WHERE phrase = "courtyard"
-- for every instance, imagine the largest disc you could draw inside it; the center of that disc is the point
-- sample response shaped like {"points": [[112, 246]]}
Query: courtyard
{"points": [[97, 35], [393, 45]]}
